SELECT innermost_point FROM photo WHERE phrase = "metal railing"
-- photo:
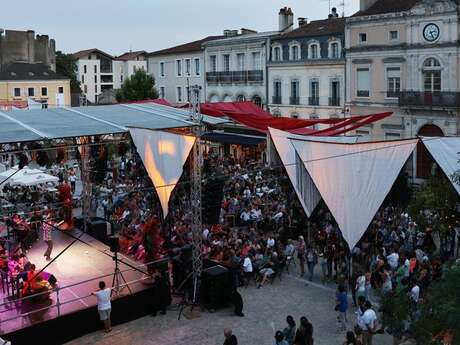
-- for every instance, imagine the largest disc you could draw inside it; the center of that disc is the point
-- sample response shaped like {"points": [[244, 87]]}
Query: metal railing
{"points": [[58, 303], [445, 99], [313, 100], [241, 77], [294, 100], [334, 101], [277, 100]]}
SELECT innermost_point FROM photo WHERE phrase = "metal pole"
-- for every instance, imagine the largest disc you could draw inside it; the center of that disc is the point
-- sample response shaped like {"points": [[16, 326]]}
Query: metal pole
{"points": [[195, 190], [58, 302]]}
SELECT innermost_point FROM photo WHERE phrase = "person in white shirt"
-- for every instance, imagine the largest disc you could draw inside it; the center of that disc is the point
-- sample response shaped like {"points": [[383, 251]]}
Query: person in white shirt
{"points": [[369, 322], [205, 234], [247, 269], [415, 293], [393, 260], [270, 242], [245, 217], [247, 193], [104, 305]]}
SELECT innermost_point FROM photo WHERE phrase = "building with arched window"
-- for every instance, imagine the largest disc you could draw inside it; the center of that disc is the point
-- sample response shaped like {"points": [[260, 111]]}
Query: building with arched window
{"points": [[404, 58]]}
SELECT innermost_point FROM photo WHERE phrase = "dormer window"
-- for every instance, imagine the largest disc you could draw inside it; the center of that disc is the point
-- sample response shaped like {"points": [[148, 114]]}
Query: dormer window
{"points": [[294, 51], [314, 51], [277, 54], [362, 37], [334, 50]]}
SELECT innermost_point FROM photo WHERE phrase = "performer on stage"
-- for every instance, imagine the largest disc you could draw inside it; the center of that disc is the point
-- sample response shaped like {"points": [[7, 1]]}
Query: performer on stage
{"points": [[47, 231], [65, 197]]}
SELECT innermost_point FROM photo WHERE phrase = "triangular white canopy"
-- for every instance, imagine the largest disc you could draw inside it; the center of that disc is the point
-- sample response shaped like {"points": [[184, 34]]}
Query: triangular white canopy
{"points": [[26, 177], [445, 151], [304, 186], [354, 179], [164, 155]]}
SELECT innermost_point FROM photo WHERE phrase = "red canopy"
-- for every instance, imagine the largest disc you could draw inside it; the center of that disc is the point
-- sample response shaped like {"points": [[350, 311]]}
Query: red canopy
{"points": [[252, 116]]}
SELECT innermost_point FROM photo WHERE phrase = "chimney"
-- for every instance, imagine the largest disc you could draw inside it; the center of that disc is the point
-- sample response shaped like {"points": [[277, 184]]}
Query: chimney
{"points": [[365, 4], [245, 31], [286, 19], [302, 21], [334, 13], [230, 33]]}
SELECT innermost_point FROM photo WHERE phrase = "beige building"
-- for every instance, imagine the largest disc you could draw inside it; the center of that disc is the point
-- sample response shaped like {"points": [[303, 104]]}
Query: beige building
{"points": [[402, 56], [24, 83]]}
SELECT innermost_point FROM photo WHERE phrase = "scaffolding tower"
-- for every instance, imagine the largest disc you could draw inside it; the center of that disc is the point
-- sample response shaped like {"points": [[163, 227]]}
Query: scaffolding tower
{"points": [[196, 163]]}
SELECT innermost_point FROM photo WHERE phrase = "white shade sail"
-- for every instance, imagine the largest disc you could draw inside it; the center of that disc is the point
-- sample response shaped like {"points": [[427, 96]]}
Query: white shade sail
{"points": [[304, 187], [445, 151], [354, 179], [163, 155], [26, 177]]}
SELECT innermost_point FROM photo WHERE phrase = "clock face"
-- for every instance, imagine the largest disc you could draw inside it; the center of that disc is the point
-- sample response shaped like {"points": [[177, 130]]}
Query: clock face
{"points": [[431, 32]]}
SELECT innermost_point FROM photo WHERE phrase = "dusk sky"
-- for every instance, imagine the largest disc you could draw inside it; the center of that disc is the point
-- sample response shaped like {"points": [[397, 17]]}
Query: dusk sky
{"points": [[118, 26]]}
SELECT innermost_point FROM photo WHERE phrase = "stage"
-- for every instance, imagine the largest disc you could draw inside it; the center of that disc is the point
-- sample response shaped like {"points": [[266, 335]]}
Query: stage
{"points": [[78, 271]]}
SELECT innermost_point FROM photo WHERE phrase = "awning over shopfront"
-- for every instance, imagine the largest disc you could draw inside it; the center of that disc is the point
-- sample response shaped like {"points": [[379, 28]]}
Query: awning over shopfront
{"points": [[233, 138]]}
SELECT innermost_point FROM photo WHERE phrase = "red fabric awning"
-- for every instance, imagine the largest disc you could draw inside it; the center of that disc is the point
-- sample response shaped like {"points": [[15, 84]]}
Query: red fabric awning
{"points": [[252, 116]]}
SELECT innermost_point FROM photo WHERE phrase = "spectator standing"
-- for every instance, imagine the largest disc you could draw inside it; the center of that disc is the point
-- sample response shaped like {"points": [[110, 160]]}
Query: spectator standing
{"points": [[230, 338], [341, 307], [279, 339], [104, 306], [290, 331]]}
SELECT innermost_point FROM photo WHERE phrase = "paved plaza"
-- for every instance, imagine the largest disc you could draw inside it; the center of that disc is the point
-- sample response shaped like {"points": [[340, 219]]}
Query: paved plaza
{"points": [[265, 312]]}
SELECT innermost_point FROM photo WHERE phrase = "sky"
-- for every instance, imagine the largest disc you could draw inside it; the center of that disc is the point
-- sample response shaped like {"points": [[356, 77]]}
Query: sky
{"points": [[116, 26]]}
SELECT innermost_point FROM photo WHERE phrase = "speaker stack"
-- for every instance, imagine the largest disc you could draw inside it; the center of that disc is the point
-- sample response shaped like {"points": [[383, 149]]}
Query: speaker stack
{"points": [[216, 287]]}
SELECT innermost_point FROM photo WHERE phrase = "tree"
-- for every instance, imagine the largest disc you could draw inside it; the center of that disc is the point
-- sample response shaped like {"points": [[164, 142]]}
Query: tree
{"points": [[66, 65], [436, 317], [139, 87]]}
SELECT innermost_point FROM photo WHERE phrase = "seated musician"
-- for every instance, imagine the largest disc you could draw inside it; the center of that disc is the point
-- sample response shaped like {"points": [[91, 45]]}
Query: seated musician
{"points": [[35, 284]]}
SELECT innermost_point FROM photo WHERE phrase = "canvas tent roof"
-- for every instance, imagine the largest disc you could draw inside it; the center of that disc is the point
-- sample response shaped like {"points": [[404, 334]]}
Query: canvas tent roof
{"points": [[39, 124]]}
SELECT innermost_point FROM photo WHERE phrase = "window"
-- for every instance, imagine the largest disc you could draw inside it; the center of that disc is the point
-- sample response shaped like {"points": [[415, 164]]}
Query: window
{"points": [[277, 54], [85, 88], [179, 94], [314, 92], [162, 92], [44, 91], [392, 136], [277, 99], [241, 98], [432, 75], [294, 92], [187, 92], [226, 58], [334, 51], [95, 78], [95, 88], [31, 92], [394, 35], [179, 68], [89, 57], [84, 69], [256, 61], [295, 52], [162, 69], [334, 95], [213, 63], [121, 78], [393, 82], [17, 92], [197, 67], [95, 68], [60, 89], [240, 60], [362, 37], [363, 82], [82, 78], [313, 51], [188, 67]]}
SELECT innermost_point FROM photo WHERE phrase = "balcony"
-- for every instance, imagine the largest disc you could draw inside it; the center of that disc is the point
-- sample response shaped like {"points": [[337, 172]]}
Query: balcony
{"points": [[313, 100], [277, 100], [294, 101], [334, 101], [237, 77], [438, 99]]}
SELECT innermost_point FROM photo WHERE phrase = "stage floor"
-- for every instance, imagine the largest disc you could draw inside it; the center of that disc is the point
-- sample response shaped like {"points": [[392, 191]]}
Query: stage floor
{"points": [[79, 263]]}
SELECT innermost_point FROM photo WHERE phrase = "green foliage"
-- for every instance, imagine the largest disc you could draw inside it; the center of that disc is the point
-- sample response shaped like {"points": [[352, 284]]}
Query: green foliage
{"points": [[66, 65], [437, 195], [139, 87], [440, 311]]}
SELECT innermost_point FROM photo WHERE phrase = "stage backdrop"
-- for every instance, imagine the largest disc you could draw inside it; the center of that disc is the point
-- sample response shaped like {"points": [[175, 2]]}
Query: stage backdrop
{"points": [[445, 151], [304, 186], [164, 155], [354, 179]]}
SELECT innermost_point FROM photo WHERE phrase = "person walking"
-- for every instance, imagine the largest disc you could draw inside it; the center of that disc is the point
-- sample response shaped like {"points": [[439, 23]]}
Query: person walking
{"points": [[47, 232], [104, 306], [301, 255], [341, 307], [312, 260], [290, 330], [369, 322]]}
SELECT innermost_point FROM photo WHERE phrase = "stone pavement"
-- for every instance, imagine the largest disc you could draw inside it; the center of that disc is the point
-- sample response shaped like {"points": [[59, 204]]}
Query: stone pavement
{"points": [[265, 309]]}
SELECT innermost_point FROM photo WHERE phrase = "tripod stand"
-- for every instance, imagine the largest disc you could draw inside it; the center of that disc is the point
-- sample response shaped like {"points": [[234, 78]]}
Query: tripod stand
{"points": [[184, 303], [118, 277]]}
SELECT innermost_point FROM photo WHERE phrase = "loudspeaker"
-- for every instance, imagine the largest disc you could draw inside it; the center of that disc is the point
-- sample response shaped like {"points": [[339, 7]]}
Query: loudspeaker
{"points": [[216, 287], [114, 244], [97, 228]]}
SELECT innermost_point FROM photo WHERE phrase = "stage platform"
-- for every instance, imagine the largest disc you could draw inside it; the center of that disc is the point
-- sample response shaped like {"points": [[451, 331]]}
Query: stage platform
{"points": [[78, 271]]}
